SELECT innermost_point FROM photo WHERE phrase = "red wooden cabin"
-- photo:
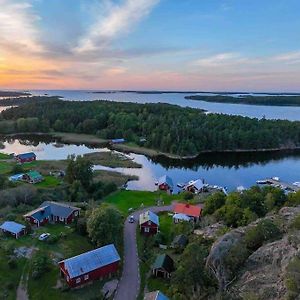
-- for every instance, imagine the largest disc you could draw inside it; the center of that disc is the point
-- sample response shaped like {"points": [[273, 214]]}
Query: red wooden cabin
{"points": [[149, 223]]}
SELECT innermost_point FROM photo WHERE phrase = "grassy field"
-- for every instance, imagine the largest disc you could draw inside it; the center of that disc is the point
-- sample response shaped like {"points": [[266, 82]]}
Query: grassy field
{"points": [[4, 156], [108, 176], [77, 138], [124, 200], [44, 287], [112, 160]]}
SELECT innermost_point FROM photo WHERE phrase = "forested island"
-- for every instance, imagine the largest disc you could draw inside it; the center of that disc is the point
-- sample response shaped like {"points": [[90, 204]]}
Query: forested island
{"points": [[13, 94], [162, 127], [278, 100], [15, 101]]}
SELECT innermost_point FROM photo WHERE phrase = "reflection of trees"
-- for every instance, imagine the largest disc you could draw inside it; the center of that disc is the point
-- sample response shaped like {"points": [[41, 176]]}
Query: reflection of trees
{"points": [[228, 160]]}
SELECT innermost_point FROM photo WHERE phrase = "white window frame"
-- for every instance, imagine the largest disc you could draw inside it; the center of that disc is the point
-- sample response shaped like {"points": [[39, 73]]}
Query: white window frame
{"points": [[147, 229], [78, 280], [86, 277]]}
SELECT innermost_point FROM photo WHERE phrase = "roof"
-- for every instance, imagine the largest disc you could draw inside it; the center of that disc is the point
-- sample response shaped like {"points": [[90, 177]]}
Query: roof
{"points": [[164, 261], [40, 213], [26, 155], [49, 207], [157, 295], [198, 184], [12, 227], [180, 240], [149, 216], [34, 174], [59, 209], [182, 217], [90, 261], [187, 209], [165, 180], [118, 140]]}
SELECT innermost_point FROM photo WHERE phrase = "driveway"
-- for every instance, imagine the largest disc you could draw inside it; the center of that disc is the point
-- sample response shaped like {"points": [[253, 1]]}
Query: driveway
{"points": [[129, 284]]}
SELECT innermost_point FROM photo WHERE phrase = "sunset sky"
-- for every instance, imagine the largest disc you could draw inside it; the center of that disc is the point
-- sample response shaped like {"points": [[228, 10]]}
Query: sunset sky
{"points": [[237, 45]]}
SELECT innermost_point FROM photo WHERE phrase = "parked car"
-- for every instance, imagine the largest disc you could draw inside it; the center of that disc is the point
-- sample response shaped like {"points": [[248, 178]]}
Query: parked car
{"points": [[131, 219], [44, 236]]}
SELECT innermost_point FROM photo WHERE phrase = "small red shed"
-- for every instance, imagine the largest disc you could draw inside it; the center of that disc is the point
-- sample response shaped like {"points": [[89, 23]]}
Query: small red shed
{"points": [[149, 223], [165, 183], [90, 266]]}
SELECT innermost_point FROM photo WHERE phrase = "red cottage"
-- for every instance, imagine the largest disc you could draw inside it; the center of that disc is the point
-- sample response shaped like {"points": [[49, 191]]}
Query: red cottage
{"points": [[25, 157], [149, 223], [53, 212], [165, 183], [90, 266]]}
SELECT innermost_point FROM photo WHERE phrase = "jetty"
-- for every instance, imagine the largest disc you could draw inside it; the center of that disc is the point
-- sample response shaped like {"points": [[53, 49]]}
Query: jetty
{"points": [[280, 184]]}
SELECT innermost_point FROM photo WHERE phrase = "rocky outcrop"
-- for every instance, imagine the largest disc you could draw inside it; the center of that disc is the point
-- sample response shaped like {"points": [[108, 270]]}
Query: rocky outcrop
{"points": [[263, 273]]}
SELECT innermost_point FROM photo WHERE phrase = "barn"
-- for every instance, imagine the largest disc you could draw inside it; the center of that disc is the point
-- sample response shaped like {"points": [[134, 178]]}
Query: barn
{"points": [[165, 183], [25, 157], [13, 228], [149, 223], [54, 212], [90, 266]]}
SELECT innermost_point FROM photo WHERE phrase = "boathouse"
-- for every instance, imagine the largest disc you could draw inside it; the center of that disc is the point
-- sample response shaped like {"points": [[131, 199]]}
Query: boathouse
{"points": [[165, 183]]}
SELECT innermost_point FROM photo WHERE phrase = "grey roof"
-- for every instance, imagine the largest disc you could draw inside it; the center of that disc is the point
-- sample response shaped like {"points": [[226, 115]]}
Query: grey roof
{"points": [[40, 213], [157, 295], [149, 216], [12, 227], [59, 209], [198, 184], [165, 179], [180, 240], [92, 260]]}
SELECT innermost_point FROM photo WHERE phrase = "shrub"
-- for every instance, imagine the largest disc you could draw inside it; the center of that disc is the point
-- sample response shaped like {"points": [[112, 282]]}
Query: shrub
{"points": [[12, 263], [188, 196], [52, 239], [296, 223], [40, 265]]}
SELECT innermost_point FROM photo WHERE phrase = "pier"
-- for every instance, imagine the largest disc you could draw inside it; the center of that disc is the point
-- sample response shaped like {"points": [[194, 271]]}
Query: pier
{"points": [[280, 184]]}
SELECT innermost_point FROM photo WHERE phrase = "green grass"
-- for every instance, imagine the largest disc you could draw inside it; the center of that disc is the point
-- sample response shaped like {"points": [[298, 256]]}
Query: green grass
{"points": [[43, 288], [165, 226], [49, 181], [4, 156], [124, 200]]}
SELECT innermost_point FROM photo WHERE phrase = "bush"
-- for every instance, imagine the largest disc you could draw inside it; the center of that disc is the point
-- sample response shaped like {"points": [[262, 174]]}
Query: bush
{"points": [[265, 230], [12, 263], [40, 265], [52, 239], [188, 196], [296, 223]]}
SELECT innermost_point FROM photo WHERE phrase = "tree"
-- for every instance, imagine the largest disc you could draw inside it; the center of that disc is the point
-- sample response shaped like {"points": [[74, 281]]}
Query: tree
{"points": [[105, 225], [214, 202], [79, 169]]}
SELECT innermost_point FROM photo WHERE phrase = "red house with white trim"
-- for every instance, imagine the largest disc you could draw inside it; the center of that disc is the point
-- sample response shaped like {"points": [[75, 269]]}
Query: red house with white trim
{"points": [[149, 223], [90, 266], [25, 157], [53, 212]]}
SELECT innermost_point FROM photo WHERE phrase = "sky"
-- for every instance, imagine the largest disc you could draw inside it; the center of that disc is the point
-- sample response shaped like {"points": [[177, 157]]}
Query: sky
{"points": [[203, 45]]}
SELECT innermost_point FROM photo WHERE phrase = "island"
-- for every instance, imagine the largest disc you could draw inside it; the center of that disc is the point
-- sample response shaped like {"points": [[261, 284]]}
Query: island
{"points": [[270, 100]]}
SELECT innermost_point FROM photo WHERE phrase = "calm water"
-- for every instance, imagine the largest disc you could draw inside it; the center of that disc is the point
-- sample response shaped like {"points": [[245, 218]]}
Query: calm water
{"points": [[230, 170], [253, 111]]}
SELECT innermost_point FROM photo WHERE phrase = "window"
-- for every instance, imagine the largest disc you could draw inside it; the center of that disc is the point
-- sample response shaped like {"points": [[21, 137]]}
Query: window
{"points": [[78, 280], [76, 213], [149, 222], [86, 277], [61, 219], [147, 229]]}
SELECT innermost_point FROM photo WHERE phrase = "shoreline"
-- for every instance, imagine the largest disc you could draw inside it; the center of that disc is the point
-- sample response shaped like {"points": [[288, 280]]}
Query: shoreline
{"points": [[92, 140]]}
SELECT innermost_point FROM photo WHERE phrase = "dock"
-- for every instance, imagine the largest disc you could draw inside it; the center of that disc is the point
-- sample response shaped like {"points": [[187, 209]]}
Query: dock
{"points": [[280, 184]]}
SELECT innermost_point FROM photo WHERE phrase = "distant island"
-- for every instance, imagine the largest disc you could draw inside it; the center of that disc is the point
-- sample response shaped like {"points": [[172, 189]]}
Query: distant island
{"points": [[16, 101], [275, 100], [13, 94]]}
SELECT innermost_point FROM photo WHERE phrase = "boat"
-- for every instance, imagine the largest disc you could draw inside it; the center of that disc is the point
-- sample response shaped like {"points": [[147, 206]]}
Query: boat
{"points": [[180, 185], [297, 183], [261, 181], [276, 178]]}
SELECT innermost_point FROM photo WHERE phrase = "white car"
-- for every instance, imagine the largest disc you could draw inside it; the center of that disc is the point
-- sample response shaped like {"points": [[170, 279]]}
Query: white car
{"points": [[44, 236], [131, 219]]}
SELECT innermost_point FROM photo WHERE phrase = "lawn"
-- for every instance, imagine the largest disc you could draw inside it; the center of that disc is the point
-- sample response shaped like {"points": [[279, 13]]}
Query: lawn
{"points": [[124, 200], [69, 245], [4, 156], [49, 181]]}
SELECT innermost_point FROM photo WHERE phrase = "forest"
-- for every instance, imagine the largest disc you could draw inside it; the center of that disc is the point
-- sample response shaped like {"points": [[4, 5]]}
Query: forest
{"points": [[164, 127], [252, 100]]}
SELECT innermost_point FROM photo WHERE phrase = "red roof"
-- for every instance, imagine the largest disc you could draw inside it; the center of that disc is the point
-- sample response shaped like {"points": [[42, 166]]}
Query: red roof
{"points": [[187, 209]]}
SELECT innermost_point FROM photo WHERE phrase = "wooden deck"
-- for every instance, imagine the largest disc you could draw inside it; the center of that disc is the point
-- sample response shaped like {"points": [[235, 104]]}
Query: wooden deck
{"points": [[282, 185]]}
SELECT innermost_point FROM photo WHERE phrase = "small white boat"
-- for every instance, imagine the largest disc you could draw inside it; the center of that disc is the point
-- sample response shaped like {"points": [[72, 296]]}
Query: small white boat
{"points": [[261, 182], [181, 185], [276, 178]]}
